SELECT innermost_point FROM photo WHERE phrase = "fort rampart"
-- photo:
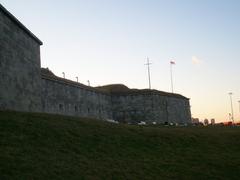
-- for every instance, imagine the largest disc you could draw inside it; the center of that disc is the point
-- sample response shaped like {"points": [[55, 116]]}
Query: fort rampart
{"points": [[25, 86]]}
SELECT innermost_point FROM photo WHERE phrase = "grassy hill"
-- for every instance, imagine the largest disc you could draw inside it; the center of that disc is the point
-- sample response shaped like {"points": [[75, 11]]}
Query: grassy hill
{"points": [[40, 146]]}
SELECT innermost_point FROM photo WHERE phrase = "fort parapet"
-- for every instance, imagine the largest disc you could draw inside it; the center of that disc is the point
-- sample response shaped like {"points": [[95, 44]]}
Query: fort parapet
{"points": [[25, 86]]}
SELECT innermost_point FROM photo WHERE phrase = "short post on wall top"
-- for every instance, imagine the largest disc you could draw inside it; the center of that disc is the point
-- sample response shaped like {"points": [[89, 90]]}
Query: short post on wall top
{"points": [[63, 73]]}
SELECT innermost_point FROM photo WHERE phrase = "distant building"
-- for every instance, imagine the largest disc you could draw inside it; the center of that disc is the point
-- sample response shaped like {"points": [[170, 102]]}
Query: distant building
{"points": [[212, 121], [195, 120], [206, 122]]}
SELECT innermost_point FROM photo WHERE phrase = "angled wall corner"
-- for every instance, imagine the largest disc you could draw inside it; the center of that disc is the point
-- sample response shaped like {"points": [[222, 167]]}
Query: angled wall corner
{"points": [[20, 84]]}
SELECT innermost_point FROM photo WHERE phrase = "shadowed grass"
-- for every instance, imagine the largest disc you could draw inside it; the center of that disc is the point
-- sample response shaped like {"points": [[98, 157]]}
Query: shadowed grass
{"points": [[42, 146]]}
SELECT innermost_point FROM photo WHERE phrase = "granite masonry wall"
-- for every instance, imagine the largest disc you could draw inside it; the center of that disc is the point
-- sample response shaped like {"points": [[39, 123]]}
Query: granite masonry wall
{"points": [[20, 82], [61, 96], [150, 106], [24, 86], [117, 102], [178, 110]]}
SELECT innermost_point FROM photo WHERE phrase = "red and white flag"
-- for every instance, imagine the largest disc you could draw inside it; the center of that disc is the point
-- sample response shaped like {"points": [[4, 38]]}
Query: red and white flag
{"points": [[172, 62]]}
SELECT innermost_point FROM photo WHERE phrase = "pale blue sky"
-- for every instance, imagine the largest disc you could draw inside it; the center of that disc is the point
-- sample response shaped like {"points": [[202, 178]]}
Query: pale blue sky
{"points": [[107, 41]]}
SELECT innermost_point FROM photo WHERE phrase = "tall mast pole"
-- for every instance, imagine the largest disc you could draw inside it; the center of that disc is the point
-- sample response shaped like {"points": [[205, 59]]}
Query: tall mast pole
{"points": [[149, 77]]}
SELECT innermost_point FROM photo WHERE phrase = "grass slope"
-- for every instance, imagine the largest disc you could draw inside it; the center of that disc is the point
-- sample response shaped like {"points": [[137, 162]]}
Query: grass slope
{"points": [[40, 146]]}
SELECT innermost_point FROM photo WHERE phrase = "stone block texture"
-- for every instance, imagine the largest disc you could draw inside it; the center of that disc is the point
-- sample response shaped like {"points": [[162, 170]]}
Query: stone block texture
{"points": [[20, 83], [61, 96], [150, 106]]}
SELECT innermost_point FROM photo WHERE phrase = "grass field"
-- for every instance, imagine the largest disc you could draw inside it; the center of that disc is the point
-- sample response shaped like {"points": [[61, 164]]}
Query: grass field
{"points": [[40, 146]]}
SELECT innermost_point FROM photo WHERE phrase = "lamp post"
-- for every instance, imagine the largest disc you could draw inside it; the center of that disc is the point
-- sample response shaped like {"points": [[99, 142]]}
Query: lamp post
{"points": [[239, 105], [230, 95], [77, 78], [63, 74]]}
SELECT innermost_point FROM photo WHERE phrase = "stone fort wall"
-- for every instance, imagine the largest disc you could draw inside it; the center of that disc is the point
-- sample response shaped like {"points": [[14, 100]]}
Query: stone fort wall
{"points": [[19, 65], [118, 102], [61, 96], [24, 86], [151, 106]]}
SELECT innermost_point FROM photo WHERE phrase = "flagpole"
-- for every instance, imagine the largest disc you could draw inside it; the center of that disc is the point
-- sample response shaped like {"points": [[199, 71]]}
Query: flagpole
{"points": [[171, 76]]}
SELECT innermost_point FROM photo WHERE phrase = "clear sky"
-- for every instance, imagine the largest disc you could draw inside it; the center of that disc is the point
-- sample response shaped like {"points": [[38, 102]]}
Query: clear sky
{"points": [[108, 41]]}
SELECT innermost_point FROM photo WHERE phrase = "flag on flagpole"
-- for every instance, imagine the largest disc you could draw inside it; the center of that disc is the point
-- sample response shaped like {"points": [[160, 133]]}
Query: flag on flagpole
{"points": [[172, 62]]}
